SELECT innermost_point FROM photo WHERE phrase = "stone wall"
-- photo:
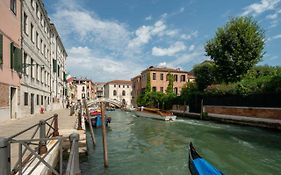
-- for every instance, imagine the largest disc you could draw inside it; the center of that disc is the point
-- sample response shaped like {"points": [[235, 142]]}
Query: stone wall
{"points": [[259, 112]]}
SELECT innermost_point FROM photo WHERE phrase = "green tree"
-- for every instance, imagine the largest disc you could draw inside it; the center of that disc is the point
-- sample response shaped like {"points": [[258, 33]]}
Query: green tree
{"points": [[170, 87], [205, 74], [236, 48], [148, 83]]}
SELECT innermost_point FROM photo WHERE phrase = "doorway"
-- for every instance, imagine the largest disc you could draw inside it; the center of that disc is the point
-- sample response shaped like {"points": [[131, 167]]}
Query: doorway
{"points": [[32, 104], [13, 103]]}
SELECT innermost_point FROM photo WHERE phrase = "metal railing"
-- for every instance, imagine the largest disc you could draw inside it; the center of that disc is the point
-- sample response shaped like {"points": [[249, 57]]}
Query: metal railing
{"points": [[32, 146]]}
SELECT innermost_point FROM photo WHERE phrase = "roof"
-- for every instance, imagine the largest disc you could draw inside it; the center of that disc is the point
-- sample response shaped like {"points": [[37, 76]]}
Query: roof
{"points": [[127, 82], [138, 76], [165, 69]]}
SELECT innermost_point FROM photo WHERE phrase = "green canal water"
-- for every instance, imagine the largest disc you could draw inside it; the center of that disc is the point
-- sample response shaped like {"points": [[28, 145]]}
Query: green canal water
{"points": [[141, 146]]}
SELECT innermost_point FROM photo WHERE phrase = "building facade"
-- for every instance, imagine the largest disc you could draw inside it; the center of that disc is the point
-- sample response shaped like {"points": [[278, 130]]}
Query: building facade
{"points": [[100, 89], [10, 58], [43, 59], [159, 80], [120, 90], [85, 89]]}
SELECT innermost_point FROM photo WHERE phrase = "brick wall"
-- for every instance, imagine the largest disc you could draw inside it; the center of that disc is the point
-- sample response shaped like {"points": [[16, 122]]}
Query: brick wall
{"points": [[259, 112], [4, 95]]}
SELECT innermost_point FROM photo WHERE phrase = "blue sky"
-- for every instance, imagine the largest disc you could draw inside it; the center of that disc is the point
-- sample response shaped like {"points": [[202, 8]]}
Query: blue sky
{"points": [[110, 39]]}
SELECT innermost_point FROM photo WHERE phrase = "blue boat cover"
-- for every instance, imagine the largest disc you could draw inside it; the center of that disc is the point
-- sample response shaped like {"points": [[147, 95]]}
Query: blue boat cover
{"points": [[205, 168]]}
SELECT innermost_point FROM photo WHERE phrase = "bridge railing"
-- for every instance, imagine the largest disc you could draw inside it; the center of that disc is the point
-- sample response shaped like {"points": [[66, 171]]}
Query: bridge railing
{"points": [[32, 146]]}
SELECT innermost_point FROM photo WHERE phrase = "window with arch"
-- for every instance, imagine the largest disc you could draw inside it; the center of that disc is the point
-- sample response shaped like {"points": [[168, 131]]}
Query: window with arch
{"points": [[123, 93], [114, 92]]}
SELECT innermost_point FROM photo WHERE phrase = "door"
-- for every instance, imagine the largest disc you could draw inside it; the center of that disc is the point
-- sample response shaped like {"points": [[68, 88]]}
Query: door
{"points": [[32, 104], [13, 103]]}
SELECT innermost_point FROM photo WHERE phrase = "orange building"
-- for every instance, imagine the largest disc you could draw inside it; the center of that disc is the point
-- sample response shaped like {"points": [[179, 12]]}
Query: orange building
{"points": [[159, 80]]}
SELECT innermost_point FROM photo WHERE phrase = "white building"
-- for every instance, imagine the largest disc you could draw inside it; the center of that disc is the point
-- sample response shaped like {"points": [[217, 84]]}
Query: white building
{"points": [[119, 90], [42, 82], [100, 89]]}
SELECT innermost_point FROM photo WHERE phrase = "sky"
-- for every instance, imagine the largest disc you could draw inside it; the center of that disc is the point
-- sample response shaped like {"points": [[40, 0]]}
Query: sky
{"points": [[117, 39]]}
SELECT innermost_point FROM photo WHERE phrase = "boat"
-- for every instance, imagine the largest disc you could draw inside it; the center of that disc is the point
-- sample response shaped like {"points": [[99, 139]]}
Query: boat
{"points": [[198, 165], [155, 113], [95, 116]]}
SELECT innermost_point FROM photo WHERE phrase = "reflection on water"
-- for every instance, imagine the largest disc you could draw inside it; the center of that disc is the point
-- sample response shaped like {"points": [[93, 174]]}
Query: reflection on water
{"points": [[141, 146]]}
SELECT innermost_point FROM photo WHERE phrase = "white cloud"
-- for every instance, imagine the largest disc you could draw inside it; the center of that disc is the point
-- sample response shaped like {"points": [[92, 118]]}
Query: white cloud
{"points": [[191, 47], [272, 16], [193, 34], [148, 18], [181, 9], [258, 8], [277, 36], [194, 57], [99, 67], [110, 34], [170, 51], [162, 64]]}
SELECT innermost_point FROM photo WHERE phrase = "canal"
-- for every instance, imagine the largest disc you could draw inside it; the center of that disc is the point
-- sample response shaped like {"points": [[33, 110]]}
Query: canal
{"points": [[141, 146]]}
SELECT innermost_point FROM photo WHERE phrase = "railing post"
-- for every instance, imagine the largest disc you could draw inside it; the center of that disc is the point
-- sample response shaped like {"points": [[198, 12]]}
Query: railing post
{"points": [[42, 144], [56, 126], [5, 163], [79, 127], [74, 137], [104, 138]]}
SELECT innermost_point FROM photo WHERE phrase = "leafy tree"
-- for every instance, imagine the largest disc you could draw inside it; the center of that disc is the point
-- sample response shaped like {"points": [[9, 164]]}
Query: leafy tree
{"points": [[236, 48], [170, 87], [148, 83], [205, 74]]}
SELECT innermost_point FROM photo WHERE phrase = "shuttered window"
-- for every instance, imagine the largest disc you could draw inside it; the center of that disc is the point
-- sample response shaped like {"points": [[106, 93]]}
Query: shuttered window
{"points": [[1, 49], [54, 65], [15, 58]]}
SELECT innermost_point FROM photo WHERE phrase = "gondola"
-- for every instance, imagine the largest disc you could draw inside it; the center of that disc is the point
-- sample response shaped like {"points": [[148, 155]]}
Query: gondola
{"points": [[198, 165]]}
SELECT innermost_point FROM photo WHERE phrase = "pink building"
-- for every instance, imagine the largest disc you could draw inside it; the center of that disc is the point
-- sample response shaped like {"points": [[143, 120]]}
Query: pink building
{"points": [[10, 58]]}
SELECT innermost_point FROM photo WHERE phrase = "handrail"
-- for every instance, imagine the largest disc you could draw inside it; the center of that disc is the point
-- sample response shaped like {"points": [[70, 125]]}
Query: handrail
{"points": [[73, 159]]}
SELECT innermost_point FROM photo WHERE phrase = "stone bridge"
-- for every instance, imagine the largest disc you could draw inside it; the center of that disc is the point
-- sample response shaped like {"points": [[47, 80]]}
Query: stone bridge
{"points": [[116, 103]]}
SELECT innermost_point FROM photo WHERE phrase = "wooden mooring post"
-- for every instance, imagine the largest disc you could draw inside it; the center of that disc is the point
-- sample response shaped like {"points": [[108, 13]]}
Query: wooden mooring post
{"points": [[90, 122], [104, 138]]}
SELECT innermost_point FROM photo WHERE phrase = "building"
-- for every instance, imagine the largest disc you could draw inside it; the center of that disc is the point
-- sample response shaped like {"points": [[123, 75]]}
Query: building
{"points": [[159, 80], [120, 90], [10, 58], [136, 89], [100, 89], [85, 89], [43, 58], [71, 92]]}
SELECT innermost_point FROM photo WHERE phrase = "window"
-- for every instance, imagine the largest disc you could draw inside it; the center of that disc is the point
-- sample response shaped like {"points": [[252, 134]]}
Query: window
{"points": [[182, 78], [54, 65], [119, 86], [161, 77], [1, 49], [127, 86], [58, 71], [123, 86], [42, 100], [176, 90], [25, 23], [83, 88], [154, 89], [31, 68], [123, 93], [15, 58], [41, 45], [114, 93], [37, 40], [37, 71], [161, 89], [24, 63], [154, 76], [32, 32], [13, 6], [37, 99], [25, 99], [175, 77]]}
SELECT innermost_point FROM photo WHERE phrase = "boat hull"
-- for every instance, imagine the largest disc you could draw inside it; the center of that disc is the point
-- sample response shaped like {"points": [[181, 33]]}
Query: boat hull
{"points": [[155, 116]]}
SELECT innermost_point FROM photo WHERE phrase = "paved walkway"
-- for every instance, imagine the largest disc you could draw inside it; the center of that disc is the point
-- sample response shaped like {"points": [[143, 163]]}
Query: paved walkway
{"points": [[11, 127]]}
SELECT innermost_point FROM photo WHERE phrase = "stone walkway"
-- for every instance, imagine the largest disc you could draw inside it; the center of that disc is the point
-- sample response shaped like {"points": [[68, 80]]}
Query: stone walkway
{"points": [[11, 127]]}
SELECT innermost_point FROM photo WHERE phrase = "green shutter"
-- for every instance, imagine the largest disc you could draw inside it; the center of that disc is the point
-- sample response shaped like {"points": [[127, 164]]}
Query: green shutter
{"points": [[18, 60], [1, 49], [12, 55], [54, 65]]}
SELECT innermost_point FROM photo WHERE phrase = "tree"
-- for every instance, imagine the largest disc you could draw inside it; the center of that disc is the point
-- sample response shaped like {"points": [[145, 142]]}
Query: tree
{"points": [[170, 86], [236, 48], [205, 74]]}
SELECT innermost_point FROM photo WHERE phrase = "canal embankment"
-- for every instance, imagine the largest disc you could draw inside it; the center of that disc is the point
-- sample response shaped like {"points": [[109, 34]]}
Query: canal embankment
{"points": [[233, 119]]}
